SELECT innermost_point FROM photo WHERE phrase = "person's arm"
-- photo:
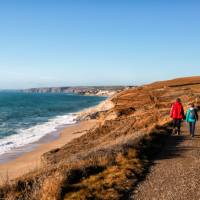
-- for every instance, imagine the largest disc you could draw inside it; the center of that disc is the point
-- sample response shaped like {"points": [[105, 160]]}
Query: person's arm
{"points": [[171, 111]]}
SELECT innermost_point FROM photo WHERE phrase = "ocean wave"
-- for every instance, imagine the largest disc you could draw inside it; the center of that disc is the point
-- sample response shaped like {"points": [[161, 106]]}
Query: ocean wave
{"points": [[35, 133]]}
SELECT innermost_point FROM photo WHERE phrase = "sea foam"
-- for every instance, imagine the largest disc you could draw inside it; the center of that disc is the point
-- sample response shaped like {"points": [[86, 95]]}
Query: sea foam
{"points": [[35, 133]]}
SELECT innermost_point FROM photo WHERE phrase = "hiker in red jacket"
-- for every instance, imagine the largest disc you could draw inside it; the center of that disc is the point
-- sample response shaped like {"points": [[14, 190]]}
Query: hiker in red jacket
{"points": [[177, 114]]}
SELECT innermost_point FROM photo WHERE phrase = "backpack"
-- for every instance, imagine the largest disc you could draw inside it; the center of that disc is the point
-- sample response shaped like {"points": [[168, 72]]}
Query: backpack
{"points": [[192, 114]]}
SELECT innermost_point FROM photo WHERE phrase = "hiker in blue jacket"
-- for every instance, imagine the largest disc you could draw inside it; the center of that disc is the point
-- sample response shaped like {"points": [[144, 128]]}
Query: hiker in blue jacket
{"points": [[191, 118]]}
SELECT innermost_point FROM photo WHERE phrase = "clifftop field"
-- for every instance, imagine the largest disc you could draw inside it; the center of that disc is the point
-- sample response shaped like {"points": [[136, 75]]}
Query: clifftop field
{"points": [[108, 162]]}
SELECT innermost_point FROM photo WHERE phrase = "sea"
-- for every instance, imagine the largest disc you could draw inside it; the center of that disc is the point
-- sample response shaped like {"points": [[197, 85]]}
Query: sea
{"points": [[26, 118]]}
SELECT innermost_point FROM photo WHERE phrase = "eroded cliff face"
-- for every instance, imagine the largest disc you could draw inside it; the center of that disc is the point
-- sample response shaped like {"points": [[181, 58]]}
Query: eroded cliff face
{"points": [[135, 113]]}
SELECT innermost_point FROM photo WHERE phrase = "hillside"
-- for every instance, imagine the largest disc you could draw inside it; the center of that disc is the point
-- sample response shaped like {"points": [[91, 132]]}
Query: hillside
{"points": [[109, 161]]}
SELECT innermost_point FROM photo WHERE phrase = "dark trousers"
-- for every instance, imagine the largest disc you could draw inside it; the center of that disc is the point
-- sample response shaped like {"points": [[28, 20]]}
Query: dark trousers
{"points": [[192, 128], [177, 125]]}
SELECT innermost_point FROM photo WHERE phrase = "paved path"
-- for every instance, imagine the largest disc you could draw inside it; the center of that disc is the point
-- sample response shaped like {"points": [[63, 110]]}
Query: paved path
{"points": [[176, 173]]}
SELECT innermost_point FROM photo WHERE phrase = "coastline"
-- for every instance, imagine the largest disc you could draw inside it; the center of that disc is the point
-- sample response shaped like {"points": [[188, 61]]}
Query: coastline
{"points": [[31, 160], [26, 161]]}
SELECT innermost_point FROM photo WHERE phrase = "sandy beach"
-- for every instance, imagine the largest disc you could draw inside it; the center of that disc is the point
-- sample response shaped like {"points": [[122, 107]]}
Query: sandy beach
{"points": [[31, 160]]}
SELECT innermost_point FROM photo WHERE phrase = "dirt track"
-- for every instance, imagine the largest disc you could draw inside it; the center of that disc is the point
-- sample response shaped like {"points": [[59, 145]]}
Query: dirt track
{"points": [[176, 171]]}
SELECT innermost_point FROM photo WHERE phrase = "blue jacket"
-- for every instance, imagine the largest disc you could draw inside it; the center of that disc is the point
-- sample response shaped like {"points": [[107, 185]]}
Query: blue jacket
{"points": [[188, 118]]}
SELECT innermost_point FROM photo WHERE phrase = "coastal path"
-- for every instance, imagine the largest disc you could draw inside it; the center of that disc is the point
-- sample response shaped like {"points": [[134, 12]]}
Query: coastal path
{"points": [[175, 173]]}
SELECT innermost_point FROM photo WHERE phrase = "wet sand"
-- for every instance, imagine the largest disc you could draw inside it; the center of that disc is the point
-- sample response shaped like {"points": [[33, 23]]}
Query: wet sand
{"points": [[31, 160]]}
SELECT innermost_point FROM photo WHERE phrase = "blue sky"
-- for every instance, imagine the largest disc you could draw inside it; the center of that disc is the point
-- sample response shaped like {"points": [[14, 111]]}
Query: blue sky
{"points": [[97, 42]]}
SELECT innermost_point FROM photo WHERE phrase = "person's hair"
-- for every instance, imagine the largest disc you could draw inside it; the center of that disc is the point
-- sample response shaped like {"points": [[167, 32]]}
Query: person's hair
{"points": [[192, 105], [178, 100]]}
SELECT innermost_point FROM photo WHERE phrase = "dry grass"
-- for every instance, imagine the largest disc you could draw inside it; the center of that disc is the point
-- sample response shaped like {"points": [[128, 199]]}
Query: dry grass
{"points": [[113, 183], [112, 168], [108, 175]]}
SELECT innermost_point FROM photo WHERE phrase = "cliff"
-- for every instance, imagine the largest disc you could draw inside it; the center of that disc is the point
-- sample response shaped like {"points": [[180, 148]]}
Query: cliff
{"points": [[98, 91], [108, 161]]}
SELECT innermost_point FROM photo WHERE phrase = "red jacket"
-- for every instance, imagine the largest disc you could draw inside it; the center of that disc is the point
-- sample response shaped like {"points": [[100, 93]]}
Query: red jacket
{"points": [[177, 111]]}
